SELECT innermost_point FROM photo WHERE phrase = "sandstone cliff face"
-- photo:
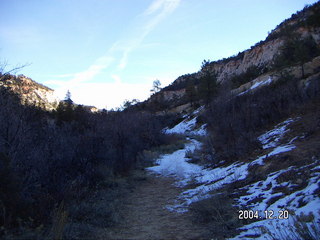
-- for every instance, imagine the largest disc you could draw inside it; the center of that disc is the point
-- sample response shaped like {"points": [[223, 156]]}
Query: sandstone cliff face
{"points": [[173, 95], [260, 55], [31, 92], [311, 68]]}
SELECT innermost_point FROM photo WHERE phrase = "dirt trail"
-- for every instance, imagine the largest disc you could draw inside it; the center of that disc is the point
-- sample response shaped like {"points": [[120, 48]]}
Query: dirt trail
{"points": [[146, 217]]}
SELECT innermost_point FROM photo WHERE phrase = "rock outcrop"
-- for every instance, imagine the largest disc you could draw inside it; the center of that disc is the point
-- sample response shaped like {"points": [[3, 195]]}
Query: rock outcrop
{"points": [[31, 92], [261, 55]]}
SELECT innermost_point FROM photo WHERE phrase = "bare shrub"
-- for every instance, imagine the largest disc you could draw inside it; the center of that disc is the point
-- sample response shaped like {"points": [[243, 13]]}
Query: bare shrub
{"points": [[218, 213], [303, 227], [236, 122], [60, 219]]}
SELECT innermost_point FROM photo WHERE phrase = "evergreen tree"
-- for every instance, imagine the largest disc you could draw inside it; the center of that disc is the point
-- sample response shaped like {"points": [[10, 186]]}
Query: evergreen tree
{"points": [[65, 109], [67, 98], [208, 86], [297, 50], [191, 92], [304, 51]]}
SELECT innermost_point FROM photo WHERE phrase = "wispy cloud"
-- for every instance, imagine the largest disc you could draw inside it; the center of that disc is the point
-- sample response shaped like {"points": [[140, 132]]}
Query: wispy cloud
{"points": [[152, 16], [117, 57], [116, 78], [167, 5], [155, 13], [97, 67]]}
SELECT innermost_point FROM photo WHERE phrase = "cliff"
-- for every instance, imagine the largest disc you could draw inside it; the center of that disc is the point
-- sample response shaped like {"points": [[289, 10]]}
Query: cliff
{"points": [[261, 56], [30, 91]]}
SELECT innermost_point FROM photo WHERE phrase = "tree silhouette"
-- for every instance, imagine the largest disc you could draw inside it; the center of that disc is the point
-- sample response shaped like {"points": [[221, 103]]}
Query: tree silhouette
{"points": [[156, 86], [191, 92], [208, 86], [67, 98], [65, 109]]}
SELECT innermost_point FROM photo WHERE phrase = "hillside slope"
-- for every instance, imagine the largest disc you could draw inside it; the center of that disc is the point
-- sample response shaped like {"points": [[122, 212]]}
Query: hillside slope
{"points": [[30, 91], [277, 185], [239, 140], [269, 58], [257, 167]]}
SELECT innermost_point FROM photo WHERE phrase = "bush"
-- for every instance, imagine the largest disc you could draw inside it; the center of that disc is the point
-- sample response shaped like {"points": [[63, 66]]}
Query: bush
{"points": [[296, 50], [250, 74], [218, 214], [47, 159], [235, 123]]}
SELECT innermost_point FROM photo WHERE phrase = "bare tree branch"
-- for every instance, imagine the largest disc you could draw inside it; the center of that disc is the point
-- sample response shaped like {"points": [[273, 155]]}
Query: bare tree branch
{"points": [[4, 72]]}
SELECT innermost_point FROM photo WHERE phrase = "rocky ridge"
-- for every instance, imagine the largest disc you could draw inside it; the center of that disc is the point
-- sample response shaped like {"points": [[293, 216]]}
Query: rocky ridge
{"points": [[31, 92], [261, 55]]}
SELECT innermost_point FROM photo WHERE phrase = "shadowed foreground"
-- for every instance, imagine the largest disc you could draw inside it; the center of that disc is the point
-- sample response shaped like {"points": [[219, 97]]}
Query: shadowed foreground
{"points": [[147, 218]]}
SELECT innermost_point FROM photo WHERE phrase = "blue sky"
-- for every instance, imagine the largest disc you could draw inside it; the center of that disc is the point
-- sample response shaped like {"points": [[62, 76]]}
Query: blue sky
{"points": [[106, 51]]}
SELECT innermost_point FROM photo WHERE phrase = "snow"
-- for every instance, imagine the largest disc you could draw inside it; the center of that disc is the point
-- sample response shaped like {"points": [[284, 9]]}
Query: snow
{"points": [[281, 149], [275, 151], [207, 180], [291, 202], [272, 137], [183, 127], [210, 179], [259, 196], [201, 131], [176, 164], [257, 84], [188, 125]]}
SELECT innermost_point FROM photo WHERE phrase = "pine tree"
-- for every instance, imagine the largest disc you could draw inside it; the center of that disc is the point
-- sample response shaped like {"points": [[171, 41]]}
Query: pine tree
{"points": [[304, 51], [191, 92], [67, 98], [65, 109], [208, 86]]}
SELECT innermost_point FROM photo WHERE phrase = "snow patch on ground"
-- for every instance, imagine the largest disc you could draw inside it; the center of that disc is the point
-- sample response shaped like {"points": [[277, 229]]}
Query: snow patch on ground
{"points": [[272, 137], [265, 191], [207, 180], [213, 179], [259, 196], [188, 125], [263, 196], [176, 165], [183, 127], [257, 84]]}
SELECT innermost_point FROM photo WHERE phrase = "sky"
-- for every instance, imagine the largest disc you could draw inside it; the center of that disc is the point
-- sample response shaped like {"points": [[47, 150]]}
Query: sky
{"points": [[109, 51]]}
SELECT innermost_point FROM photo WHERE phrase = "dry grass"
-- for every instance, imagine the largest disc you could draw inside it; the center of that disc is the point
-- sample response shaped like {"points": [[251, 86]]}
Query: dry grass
{"points": [[60, 219], [303, 227], [218, 214], [173, 142]]}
